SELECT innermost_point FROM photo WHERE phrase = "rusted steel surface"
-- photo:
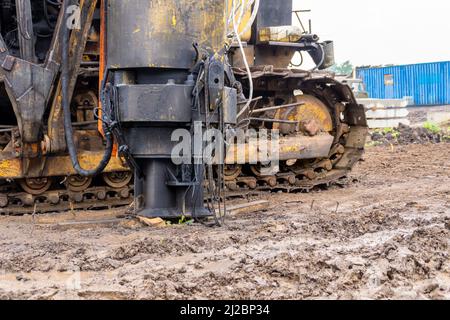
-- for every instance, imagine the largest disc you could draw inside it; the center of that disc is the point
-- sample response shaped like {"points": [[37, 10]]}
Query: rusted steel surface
{"points": [[161, 33], [28, 86], [293, 147], [56, 141], [57, 166]]}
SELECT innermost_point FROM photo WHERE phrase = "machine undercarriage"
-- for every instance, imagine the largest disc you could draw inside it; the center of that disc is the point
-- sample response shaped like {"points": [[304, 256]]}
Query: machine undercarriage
{"points": [[138, 72]]}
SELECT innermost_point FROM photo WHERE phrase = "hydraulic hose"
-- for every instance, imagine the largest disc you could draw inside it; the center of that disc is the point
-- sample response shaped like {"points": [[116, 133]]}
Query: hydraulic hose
{"points": [[322, 59], [65, 43]]}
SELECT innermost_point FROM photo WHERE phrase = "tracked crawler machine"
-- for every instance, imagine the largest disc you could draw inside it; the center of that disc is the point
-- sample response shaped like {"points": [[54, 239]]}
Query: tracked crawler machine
{"points": [[93, 92]]}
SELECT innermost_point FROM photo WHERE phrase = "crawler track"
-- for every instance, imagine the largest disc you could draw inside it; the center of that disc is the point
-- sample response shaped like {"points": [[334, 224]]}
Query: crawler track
{"points": [[98, 197], [349, 132]]}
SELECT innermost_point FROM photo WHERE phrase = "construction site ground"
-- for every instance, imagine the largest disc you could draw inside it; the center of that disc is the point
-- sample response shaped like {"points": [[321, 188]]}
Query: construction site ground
{"points": [[383, 235]]}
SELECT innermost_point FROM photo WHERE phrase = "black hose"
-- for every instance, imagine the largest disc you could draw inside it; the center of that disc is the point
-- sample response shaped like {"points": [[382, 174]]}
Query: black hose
{"points": [[46, 15], [322, 59], [67, 114]]}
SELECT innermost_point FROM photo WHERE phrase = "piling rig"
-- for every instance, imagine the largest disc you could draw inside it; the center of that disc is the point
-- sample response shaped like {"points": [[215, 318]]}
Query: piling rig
{"points": [[93, 92]]}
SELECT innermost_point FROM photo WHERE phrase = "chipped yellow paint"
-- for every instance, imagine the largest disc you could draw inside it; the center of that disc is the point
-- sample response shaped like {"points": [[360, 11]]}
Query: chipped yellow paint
{"points": [[204, 16], [137, 30], [311, 109], [59, 166], [174, 20], [10, 168]]}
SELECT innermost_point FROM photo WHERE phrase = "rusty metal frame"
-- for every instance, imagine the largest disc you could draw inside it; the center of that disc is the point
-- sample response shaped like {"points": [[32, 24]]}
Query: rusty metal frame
{"points": [[56, 140]]}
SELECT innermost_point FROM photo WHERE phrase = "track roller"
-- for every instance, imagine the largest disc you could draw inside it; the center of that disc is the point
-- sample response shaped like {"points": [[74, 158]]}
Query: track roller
{"points": [[78, 183], [117, 180], [35, 186]]}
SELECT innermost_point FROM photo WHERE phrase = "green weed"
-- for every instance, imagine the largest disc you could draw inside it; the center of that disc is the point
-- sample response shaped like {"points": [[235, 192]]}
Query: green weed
{"points": [[184, 220], [432, 127]]}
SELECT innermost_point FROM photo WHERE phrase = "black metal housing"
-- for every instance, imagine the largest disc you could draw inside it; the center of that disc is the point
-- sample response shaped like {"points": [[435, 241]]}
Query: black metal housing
{"points": [[274, 13], [151, 51]]}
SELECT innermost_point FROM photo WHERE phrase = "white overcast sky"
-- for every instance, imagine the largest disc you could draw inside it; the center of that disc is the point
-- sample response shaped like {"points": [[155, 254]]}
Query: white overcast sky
{"points": [[375, 32]]}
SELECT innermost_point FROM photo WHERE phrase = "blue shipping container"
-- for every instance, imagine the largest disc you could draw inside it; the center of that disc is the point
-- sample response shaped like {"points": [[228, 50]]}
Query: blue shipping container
{"points": [[427, 83]]}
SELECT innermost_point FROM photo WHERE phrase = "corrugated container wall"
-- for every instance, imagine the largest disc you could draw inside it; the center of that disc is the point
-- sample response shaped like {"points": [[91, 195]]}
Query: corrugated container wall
{"points": [[427, 83]]}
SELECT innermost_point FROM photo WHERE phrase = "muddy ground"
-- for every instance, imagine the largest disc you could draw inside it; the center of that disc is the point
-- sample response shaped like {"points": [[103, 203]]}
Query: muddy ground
{"points": [[386, 235]]}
